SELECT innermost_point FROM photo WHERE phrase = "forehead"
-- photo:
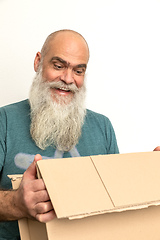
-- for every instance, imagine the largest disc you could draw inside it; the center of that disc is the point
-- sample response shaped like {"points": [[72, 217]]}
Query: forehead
{"points": [[70, 47]]}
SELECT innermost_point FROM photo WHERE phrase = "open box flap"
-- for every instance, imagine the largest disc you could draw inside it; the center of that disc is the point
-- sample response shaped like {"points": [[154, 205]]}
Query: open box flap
{"points": [[84, 186], [74, 186], [131, 179]]}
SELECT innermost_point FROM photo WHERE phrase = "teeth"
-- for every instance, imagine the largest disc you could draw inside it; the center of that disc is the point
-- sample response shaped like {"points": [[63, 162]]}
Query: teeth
{"points": [[64, 89]]}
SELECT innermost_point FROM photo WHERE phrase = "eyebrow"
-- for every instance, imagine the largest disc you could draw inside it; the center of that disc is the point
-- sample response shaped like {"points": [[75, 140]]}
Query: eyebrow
{"points": [[59, 59], [67, 63]]}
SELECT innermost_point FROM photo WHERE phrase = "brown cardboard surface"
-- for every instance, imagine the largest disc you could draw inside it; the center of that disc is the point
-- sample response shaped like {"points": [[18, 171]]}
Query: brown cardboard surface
{"points": [[37, 230], [74, 186], [131, 179], [15, 179], [23, 229], [142, 224], [32, 230], [96, 184]]}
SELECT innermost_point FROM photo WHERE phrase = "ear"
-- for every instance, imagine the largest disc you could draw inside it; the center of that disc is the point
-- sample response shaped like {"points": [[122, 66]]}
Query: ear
{"points": [[37, 61]]}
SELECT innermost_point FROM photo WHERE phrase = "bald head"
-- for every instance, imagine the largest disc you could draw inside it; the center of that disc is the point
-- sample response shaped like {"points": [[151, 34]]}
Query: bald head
{"points": [[58, 37]]}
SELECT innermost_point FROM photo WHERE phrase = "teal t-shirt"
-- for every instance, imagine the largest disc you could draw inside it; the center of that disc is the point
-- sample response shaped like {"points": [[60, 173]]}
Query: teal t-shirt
{"points": [[17, 149]]}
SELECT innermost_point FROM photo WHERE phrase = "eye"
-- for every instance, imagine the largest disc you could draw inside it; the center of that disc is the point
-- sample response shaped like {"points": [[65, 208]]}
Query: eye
{"points": [[80, 71], [58, 66]]}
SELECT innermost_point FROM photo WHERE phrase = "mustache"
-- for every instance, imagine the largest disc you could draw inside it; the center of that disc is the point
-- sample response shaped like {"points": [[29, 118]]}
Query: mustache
{"points": [[61, 85]]}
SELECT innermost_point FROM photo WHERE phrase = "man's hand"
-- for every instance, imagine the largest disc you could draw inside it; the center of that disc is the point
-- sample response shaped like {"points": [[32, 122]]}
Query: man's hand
{"points": [[157, 148], [32, 197]]}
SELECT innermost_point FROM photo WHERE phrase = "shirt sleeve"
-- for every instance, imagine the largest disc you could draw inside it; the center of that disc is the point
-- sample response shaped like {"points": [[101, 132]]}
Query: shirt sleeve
{"points": [[3, 127], [112, 146]]}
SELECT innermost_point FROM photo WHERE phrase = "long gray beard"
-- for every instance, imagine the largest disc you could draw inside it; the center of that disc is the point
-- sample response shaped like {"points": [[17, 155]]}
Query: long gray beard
{"points": [[55, 123]]}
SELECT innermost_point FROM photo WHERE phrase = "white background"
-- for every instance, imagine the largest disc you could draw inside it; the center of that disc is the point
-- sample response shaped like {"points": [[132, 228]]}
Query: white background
{"points": [[123, 74]]}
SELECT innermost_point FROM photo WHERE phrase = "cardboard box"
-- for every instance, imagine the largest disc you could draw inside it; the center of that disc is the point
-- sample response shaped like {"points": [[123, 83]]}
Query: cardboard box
{"points": [[106, 197]]}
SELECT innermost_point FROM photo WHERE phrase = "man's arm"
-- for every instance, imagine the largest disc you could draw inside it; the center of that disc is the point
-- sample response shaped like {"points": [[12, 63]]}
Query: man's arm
{"points": [[30, 200], [8, 210]]}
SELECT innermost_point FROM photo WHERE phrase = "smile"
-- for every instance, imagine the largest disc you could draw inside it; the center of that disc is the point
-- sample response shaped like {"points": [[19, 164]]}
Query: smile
{"points": [[63, 89]]}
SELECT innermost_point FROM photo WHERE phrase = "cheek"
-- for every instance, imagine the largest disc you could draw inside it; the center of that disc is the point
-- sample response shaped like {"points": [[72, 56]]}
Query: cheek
{"points": [[79, 82], [50, 75]]}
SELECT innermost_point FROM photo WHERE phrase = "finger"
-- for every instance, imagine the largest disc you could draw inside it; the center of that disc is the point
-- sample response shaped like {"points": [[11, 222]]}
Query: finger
{"points": [[37, 157], [43, 207], [34, 185], [31, 172], [46, 217], [37, 202], [40, 196], [157, 148]]}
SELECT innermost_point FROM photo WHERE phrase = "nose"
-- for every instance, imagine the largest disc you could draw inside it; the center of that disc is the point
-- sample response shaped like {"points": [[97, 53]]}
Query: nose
{"points": [[67, 76]]}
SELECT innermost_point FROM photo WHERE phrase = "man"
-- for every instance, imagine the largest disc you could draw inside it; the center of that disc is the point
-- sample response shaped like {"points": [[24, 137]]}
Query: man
{"points": [[54, 123]]}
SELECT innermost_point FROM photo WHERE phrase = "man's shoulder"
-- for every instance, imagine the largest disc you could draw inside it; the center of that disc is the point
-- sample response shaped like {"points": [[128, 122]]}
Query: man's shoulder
{"points": [[17, 106], [99, 116], [95, 119]]}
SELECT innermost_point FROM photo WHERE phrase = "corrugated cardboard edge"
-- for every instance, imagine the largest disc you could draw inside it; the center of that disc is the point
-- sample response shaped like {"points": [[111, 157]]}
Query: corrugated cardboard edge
{"points": [[22, 223], [121, 209]]}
